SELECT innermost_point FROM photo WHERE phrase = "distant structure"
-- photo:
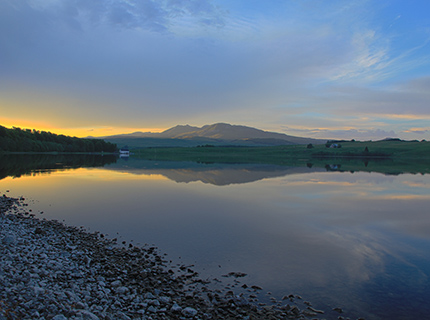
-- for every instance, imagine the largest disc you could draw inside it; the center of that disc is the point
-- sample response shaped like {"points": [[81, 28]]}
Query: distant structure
{"points": [[124, 151]]}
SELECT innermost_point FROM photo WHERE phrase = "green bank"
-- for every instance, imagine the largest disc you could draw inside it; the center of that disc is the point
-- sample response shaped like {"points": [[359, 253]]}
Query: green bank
{"points": [[390, 156]]}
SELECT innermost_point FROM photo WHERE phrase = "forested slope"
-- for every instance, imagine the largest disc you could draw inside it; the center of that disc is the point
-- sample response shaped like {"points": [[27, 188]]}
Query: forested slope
{"points": [[27, 140]]}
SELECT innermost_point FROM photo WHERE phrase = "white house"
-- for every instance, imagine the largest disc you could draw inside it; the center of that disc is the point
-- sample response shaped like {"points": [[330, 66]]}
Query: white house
{"points": [[124, 151]]}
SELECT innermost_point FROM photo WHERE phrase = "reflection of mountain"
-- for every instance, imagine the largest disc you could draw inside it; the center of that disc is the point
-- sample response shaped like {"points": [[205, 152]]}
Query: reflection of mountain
{"points": [[182, 171], [221, 177], [216, 174]]}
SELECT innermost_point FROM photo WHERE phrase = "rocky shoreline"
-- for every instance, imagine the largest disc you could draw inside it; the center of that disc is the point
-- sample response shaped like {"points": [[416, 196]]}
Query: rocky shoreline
{"points": [[49, 270]]}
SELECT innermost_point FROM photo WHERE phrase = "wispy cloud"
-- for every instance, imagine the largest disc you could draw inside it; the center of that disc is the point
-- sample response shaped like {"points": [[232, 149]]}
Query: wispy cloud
{"points": [[367, 57], [333, 133], [373, 60], [159, 63], [418, 130], [157, 16]]}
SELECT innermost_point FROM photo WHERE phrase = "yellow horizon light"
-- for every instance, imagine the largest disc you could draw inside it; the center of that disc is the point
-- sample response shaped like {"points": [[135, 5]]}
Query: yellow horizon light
{"points": [[101, 174], [80, 132]]}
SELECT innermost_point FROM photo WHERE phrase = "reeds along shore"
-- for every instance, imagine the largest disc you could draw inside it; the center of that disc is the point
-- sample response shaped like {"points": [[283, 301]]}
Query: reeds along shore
{"points": [[53, 271]]}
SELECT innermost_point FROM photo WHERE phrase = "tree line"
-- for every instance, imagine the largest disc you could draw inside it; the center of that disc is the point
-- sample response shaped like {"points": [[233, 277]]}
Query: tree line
{"points": [[27, 140]]}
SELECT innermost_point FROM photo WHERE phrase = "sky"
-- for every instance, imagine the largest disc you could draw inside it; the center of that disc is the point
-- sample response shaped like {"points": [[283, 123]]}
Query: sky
{"points": [[343, 69]]}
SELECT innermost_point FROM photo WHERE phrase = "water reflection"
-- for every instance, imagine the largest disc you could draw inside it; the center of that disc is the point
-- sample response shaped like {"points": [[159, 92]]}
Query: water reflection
{"points": [[216, 174], [359, 241], [16, 165], [182, 171]]}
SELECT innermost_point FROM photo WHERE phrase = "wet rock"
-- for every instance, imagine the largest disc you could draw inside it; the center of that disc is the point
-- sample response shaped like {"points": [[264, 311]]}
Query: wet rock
{"points": [[86, 315], [315, 310], [235, 274], [149, 295], [122, 290], [152, 309], [164, 300], [309, 313], [9, 239], [189, 312], [176, 308], [39, 231], [122, 316], [116, 283]]}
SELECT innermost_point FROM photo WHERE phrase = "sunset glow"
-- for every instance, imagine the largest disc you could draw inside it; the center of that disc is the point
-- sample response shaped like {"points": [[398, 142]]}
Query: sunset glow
{"points": [[343, 69], [81, 132]]}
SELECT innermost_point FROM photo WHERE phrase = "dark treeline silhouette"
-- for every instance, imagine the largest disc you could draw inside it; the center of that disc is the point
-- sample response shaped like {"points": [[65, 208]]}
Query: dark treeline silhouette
{"points": [[27, 140], [15, 165]]}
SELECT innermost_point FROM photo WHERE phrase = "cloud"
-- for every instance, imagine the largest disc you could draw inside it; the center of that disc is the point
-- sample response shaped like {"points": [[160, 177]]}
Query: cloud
{"points": [[357, 134], [159, 63], [366, 61], [417, 130], [158, 16], [402, 98], [85, 57], [26, 25]]}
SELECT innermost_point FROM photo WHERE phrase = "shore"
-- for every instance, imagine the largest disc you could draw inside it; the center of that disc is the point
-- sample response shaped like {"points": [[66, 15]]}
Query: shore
{"points": [[53, 271]]}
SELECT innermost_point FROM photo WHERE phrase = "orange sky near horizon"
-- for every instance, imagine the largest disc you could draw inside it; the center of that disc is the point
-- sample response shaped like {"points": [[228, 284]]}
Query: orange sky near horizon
{"points": [[80, 132]]}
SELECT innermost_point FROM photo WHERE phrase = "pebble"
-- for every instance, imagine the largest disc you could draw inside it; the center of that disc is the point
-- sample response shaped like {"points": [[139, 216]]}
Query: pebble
{"points": [[116, 283], [122, 290], [53, 271], [189, 312], [176, 308], [86, 315]]}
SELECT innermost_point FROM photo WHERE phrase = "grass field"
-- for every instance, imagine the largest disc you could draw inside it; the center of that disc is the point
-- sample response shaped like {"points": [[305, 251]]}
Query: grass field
{"points": [[391, 157]]}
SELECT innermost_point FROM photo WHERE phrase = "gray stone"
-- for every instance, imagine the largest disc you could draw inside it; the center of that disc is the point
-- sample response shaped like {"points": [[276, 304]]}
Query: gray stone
{"points": [[240, 301], [9, 239], [122, 290], [38, 290], [164, 299], [176, 308], [152, 309], [122, 316], [189, 312], [86, 315], [149, 295], [154, 302], [116, 283]]}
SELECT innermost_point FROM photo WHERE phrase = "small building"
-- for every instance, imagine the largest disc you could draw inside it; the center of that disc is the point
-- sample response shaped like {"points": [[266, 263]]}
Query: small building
{"points": [[124, 151]]}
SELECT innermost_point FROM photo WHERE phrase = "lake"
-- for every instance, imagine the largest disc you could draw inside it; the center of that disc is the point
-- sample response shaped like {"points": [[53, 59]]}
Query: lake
{"points": [[355, 240]]}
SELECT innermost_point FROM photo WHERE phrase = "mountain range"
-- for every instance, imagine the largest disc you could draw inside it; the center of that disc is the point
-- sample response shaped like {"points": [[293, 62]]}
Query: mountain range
{"points": [[218, 134]]}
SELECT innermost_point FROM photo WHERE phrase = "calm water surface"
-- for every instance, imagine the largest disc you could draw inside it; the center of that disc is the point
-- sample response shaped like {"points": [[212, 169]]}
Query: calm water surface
{"points": [[359, 240]]}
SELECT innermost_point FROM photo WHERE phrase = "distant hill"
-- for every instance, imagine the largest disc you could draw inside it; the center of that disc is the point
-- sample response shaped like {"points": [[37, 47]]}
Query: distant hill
{"points": [[219, 134]]}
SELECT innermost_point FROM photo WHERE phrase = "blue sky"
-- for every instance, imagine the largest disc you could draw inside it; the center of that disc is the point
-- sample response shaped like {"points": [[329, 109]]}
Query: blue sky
{"points": [[323, 69]]}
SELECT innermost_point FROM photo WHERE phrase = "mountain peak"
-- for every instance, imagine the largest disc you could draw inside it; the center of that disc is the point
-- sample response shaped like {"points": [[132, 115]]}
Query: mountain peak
{"points": [[177, 130], [221, 134]]}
